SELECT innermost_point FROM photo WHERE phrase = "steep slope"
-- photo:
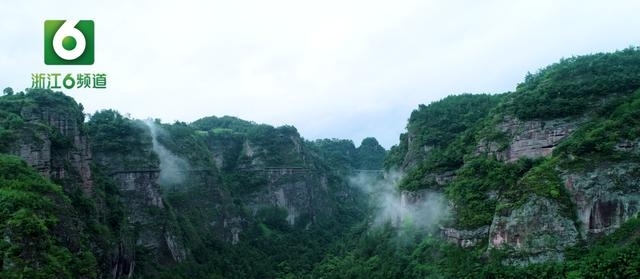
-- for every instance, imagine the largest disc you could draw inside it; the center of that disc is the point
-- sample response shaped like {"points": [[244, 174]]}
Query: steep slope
{"points": [[218, 197], [506, 172], [540, 181], [46, 130]]}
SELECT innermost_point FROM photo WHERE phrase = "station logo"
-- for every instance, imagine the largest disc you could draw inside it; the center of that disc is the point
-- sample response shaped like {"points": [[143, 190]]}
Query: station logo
{"points": [[69, 42]]}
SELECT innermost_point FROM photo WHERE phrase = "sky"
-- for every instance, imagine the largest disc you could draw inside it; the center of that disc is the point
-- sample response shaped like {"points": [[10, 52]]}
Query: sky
{"points": [[333, 69]]}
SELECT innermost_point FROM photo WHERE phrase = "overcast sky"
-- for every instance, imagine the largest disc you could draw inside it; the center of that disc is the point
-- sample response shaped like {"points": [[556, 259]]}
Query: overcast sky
{"points": [[333, 69]]}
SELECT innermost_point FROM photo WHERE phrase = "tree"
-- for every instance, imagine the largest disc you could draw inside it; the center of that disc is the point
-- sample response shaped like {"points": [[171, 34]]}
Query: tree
{"points": [[8, 91]]}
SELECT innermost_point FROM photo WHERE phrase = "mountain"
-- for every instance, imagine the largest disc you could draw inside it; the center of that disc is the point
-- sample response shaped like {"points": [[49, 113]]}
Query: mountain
{"points": [[121, 197], [541, 182]]}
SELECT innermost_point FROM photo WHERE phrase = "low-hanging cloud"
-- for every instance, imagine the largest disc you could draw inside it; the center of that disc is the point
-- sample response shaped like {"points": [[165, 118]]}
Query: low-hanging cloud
{"points": [[172, 167], [418, 210]]}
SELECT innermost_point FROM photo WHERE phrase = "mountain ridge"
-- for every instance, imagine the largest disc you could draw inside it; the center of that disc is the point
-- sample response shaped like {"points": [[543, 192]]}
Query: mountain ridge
{"points": [[540, 182]]}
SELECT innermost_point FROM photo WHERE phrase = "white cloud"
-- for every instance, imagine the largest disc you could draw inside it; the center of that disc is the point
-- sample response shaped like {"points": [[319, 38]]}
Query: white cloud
{"points": [[345, 69]]}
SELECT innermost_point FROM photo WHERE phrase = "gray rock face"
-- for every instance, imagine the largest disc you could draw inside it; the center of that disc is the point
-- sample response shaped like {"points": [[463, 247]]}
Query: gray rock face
{"points": [[529, 139], [178, 252], [538, 230], [140, 187], [35, 150], [298, 193], [605, 197], [415, 154], [123, 260], [35, 146], [234, 227], [289, 184], [465, 238], [441, 178], [628, 146], [148, 218]]}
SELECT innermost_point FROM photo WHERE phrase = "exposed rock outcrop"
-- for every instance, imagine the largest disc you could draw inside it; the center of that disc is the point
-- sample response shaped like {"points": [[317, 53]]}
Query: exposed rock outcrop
{"points": [[34, 146], [140, 187], [49, 151], [537, 231], [298, 193], [528, 139], [233, 227], [628, 146], [465, 238], [605, 197]]}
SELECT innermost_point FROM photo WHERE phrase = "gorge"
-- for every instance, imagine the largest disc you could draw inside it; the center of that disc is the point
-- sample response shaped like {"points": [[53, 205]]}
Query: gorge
{"points": [[542, 182]]}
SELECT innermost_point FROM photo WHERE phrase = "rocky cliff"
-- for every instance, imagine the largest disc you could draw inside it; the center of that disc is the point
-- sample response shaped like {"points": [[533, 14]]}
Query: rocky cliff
{"points": [[53, 141], [527, 139], [186, 189], [554, 167]]}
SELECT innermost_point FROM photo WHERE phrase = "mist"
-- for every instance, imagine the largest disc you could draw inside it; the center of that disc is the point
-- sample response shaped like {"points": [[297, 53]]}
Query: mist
{"points": [[404, 210], [172, 167]]}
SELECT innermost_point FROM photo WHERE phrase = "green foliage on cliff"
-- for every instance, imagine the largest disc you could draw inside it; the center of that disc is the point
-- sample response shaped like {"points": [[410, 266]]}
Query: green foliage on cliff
{"points": [[437, 125], [386, 254], [342, 154], [445, 135], [273, 143], [42, 101], [477, 187], [618, 125], [120, 143], [370, 155], [598, 92], [183, 139], [72, 231], [21, 113], [33, 245], [577, 84], [49, 231]]}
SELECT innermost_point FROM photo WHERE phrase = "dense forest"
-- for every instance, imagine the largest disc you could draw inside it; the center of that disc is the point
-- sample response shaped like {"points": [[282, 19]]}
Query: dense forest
{"points": [[541, 182]]}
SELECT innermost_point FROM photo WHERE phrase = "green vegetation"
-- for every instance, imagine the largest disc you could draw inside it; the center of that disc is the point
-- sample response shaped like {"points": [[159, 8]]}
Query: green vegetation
{"points": [[440, 122], [383, 254], [477, 185], [599, 138], [33, 246], [597, 91], [342, 154], [437, 125], [577, 84], [369, 155], [442, 134], [337, 152], [244, 184], [115, 137]]}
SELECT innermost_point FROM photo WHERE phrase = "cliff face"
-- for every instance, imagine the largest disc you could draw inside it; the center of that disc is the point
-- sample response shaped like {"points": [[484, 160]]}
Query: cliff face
{"points": [[537, 231], [528, 139], [35, 148], [605, 196], [148, 233], [222, 189], [281, 177], [149, 222], [54, 143], [300, 194], [542, 169]]}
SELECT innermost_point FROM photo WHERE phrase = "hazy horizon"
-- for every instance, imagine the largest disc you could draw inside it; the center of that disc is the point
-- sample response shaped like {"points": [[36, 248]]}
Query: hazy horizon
{"points": [[332, 69]]}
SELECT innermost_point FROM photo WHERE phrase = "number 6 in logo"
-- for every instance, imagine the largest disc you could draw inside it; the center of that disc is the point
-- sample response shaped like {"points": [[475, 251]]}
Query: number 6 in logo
{"points": [[68, 42]]}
